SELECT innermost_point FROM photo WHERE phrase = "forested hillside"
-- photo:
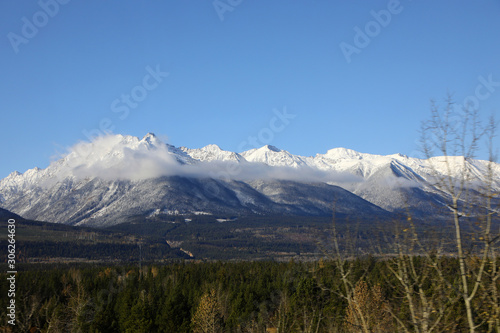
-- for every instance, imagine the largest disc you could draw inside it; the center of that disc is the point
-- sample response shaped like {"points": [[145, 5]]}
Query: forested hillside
{"points": [[232, 297]]}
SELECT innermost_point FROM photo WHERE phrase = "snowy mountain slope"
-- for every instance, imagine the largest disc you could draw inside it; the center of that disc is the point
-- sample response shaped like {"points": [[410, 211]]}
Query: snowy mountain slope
{"points": [[212, 153], [115, 177], [273, 156], [110, 157], [99, 202], [316, 198]]}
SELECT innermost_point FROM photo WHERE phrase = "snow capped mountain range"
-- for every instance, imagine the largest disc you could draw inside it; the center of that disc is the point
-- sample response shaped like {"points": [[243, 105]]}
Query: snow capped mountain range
{"points": [[212, 153], [114, 177]]}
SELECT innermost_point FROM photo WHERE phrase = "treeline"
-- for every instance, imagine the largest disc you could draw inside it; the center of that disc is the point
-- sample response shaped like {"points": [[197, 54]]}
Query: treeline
{"points": [[93, 251], [225, 297]]}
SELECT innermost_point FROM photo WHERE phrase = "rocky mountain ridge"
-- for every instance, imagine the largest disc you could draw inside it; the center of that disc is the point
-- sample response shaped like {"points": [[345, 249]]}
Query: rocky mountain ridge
{"points": [[115, 177]]}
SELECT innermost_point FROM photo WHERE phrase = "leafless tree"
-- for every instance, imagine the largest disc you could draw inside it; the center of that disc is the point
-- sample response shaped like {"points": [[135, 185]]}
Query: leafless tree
{"points": [[426, 296], [208, 316], [370, 305], [341, 253], [455, 136]]}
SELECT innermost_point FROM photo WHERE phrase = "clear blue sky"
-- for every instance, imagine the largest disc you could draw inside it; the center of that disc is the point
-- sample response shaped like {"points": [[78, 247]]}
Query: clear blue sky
{"points": [[228, 71]]}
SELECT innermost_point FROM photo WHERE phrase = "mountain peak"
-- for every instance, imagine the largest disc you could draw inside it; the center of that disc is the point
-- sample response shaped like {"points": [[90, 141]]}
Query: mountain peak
{"points": [[273, 156], [212, 152], [212, 147], [272, 148], [340, 152], [151, 139], [149, 135]]}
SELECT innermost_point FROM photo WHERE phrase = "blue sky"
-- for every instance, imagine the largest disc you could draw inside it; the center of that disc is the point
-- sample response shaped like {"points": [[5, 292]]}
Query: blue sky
{"points": [[72, 69]]}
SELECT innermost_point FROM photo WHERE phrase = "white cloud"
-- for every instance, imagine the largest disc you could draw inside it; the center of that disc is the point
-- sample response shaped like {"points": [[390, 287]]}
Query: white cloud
{"points": [[116, 157]]}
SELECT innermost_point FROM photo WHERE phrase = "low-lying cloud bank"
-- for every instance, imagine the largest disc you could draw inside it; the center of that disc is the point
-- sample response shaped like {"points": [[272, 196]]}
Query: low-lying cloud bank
{"points": [[116, 157], [247, 171]]}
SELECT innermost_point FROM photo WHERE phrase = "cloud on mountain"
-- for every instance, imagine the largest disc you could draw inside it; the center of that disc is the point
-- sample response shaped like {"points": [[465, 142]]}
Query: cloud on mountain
{"points": [[247, 171], [116, 157]]}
